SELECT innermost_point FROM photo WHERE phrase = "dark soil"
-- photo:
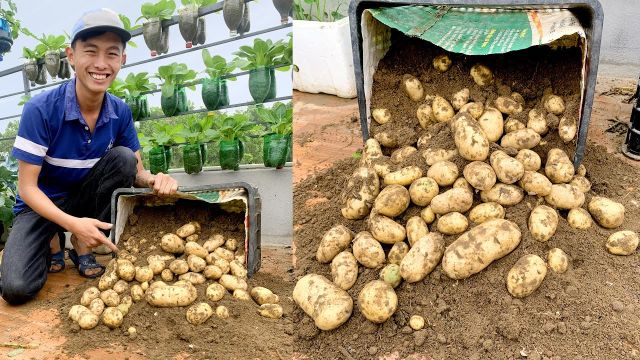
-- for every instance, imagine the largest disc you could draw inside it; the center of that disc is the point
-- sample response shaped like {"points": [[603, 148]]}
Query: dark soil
{"points": [[163, 333], [590, 312]]}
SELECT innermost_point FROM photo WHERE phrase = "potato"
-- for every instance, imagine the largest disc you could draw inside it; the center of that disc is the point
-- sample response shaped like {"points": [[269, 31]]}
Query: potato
{"points": [[237, 269], [492, 123], [272, 311], [582, 170], [441, 63], [479, 247], [361, 191], [460, 98], [224, 254], [121, 287], [182, 293], [416, 228], [344, 270], [87, 320], [475, 109], [622, 242], [377, 301], [126, 270], [402, 154], [222, 312], [579, 218], [381, 116], [333, 242], [241, 295], [520, 139], [125, 305], [423, 190], [452, 223], [470, 139], [240, 257], [89, 295], [508, 170], [223, 265], [608, 213], [453, 200], [112, 317], [432, 156], [526, 276], [193, 248], [110, 276], [463, 184], [543, 222], [529, 159], [535, 183], [213, 243], [442, 109], [231, 282], [386, 139], [559, 169], [367, 250], [96, 306], [398, 252], [199, 313], [327, 304], [188, 229], [517, 97], [422, 258], [503, 194], [565, 196], [231, 244], [370, 153], [485, 212], [172, 243], [413, 87], [192, 238], [392, 201], [143, 274], [110, 297], [404, 176], [196, 263], [262, 295], [482, 75], [416, 322], [194, 278], [479, 175], [554, 104], [76, 310], [557, 260], [428, 215], [512, 125], [425, 116], [507, 105], [137, 294], [391, 275], [582, 183], [145, 285], [444, 173], [215, 292], [212, 272], [179, 267], [156, 267], [537, 122]]}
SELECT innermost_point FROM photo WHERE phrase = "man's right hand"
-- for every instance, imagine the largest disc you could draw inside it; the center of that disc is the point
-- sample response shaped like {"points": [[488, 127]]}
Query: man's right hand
{"points": [[87, 230]]}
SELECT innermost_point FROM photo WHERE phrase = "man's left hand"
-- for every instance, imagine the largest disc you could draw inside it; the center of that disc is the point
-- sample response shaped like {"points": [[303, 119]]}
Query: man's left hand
{"points": [[163, 184]]}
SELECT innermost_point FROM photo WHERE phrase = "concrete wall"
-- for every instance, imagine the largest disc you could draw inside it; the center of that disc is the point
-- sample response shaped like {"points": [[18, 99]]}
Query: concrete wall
{"points": [[620, 52]]}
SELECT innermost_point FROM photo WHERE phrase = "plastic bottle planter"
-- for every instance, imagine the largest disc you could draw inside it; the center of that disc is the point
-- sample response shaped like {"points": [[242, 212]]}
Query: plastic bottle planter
{"points": [[272, 84], [245, 23], [231, 153], [284, 8], [168, 154], [204, 152], [138, 106], [275, 150], [211, 93], [260, 84], [42, 75], [175, 104], [156, 36], [31, 69], [64, 72], [158, 160], [232, 11], [52, 62], [192, 27], [5, 37], [192, 158], [289, 148], [224, 94]]}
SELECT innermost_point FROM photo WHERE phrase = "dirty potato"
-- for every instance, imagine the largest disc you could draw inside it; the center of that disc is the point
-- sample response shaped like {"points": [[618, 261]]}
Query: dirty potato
{"points": [[381, 116], [121, 287], [222, 312], [272, 311], [413, 87], [344, 270], [557, 260], [442, 109], [368, 250], [137, 294], [193, 248], [559, 168], [237, 269], [112, 317], [125, 270], [530, 159], [392, 201], [485, 212], [503, 194], [196, 263], [582, 183], [565, 196], [567, 128], [199, 313], [188, 229], [622, 242], [391, 275], [231, 282], [377, 301], [422, 258], [89, 295], [512, 125], [535, 183], [492, 123], [608, 213], [327, 304], [554, 104], [215, 292], [428, 215], [482, 75], [579, 218], [444, 173], [479, 175], [397, 252], [425, 116], [441, 63], [194, 278], [460, 98], [416, 228], [262, 295], [404, 176], [110, 297], [475, 109], [172, 243], [385, 230], [333, 242], [179, 267], [211, 272], [543, 222], [456, 199], [361, 191], [470, 139], [537, 121], [241, 295], [452, 223], [400, 155], [423, 190], [520, 139], [526, 276], [508, 170], [432, 156], [386, 139], [96, 306], [507, 105]]}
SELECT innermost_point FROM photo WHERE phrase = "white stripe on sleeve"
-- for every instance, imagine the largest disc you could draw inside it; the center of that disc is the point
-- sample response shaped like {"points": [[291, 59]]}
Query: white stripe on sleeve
{"points": [[30, 147], [71, 163]]}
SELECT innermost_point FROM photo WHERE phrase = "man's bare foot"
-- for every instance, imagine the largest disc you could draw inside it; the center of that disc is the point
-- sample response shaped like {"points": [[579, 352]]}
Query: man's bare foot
{"points": [[83, 249]]}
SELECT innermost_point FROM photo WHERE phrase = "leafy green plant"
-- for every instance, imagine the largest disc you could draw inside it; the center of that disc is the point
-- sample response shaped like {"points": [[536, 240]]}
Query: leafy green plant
{"points": [[51, 43], [24, 99], [200, 3], [174, 74], [163, 10], [135, 84], [163, 134], [218, 67], [8, 180], [317, 11], [34, 54], [194, 130], [8, 11], [126, 22], [232, 127], [287, 55], [117, 88], [279, 118], [263, 53]]}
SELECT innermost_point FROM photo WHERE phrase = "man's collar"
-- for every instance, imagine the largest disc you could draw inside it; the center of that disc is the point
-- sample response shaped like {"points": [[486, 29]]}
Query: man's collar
{"points": [[72, 108]]}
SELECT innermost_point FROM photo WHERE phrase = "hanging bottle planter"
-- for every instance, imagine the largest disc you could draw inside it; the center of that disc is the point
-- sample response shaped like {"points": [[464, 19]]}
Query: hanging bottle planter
{"points": [[168, 154], [259, 84], [245, 24], [134, 105], [65, 69], [272, 84], [232, 11], [157, 160], [289, 148], [204, 152], [6, 41], [183, 103], [191, 26], [169, 104], [284, 8], [156, 36], [211, 93], [31, 69], [275, 148], [52, 62], [42, 75], [231, 153], [224, 94], [144, 107], [192, 158]]}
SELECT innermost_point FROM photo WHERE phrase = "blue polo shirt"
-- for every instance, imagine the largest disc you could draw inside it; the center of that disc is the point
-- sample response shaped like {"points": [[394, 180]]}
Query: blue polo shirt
{"points": [[53, 134]]}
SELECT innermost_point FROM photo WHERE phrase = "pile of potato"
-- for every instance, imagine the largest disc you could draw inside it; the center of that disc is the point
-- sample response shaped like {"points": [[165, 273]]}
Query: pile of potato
{"points": [[217, 263], [381, 189]]}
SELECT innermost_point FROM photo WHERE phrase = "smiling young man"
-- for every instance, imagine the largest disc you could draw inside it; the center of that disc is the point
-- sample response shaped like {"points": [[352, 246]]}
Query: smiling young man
{"points": [[75, 145]]}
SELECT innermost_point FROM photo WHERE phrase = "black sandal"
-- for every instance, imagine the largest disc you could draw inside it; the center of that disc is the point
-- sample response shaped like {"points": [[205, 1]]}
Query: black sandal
{"points": [[86, 262], [57, 259]]}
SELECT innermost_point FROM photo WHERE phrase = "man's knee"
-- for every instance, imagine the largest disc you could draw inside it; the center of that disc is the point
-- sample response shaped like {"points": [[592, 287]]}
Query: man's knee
{"points": [[124, 158], [18, 291]]}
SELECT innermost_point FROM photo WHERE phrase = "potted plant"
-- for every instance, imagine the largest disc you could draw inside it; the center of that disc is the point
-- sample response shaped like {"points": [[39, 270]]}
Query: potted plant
{"points": [[214, 88], [191, 25], [53, 47], [155, 35], [7, 21], [245, 23], [194, 136], [134, 85], [8, 191], [33, 70], [126, 22], [284, 8], [173, 98], [168, 135], [230, 131], [232, 12], [260, 61], [158, 148], [117, 89], [277, 139]]}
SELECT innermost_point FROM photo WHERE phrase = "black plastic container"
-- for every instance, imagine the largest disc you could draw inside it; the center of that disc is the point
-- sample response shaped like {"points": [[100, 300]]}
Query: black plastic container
{"points": [[588, 12], [631, 146], [252, 223]]}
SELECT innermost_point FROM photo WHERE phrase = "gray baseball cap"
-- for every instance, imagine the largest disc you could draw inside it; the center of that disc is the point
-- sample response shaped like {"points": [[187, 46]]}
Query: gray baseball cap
{"points": [[100, 20]]}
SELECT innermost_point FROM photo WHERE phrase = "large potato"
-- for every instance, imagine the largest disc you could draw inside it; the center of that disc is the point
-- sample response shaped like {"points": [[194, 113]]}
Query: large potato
{"points": [[194, 278], [225, 254], [479, 247], [193, 248], [137, 294], [126, 271], [179, 267], [387, 139], [377, 301], [456, 199], [507, 105], [76, 310], [272, 311], [214, 242], [416, 228], [391, 275], [622, 242], [432, 156], [567, 128], [199, 313], [182, 293], [582, 183], [110, 297], [543, 222], [425, 116], [385, 230], [110, 276], [559, 168], [492, 123], [579, 218], [400, 155], [422, 258], [368, 250], [526, 276], [537, 121], [557, 260], [565, 196], [475, 109], [96, 306], [470, 139], [608, 213], [520, 139], [143, 274], [89, 295], [327, 304], [344, 270], [442, 110], [512, 125], [212, 272], [452, 223], [404, 176], [529, 159], [361, 191], [188, 229], [392, 201], [423, 190], [429, 216], [413, 87], [196, 263], [237, 269], [479, 175], [397, 252], [508, 170], [120, 287], [231, 282], [554, 104], [481, 74], [503, 194], [535, 183], [333, 242], [381, 116], [215, 292], [262, 295], [444, 173], [485, 212], [172, 243], [460, 98], [112, 317]]}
